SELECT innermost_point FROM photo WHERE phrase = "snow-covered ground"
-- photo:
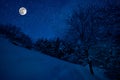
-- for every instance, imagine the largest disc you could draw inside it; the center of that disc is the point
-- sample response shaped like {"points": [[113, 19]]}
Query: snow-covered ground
{"points": [[17, 63]]}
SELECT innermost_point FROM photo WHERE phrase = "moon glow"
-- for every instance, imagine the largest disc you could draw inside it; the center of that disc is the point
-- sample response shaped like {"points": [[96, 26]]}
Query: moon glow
{"points": [[22, 11]]}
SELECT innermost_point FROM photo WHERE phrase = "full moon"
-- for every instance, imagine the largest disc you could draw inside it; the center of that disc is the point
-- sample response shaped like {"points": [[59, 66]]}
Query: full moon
{"points": [[22, 11]]}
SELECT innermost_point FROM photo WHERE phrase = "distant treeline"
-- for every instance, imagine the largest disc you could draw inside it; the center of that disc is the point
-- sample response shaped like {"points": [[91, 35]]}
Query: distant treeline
{"points": [[57, 48], [15, 35]]}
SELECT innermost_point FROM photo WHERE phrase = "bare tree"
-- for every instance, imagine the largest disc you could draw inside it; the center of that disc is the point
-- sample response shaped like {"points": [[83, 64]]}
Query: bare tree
{"points": [[82, 30], [97, 27]]}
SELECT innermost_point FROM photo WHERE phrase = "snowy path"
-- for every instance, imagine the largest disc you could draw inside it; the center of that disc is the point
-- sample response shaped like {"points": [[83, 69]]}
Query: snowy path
{"points": [[17, 63]]}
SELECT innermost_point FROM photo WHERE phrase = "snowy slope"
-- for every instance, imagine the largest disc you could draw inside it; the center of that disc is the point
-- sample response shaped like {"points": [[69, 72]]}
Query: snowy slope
{"points": [[17, 63]]}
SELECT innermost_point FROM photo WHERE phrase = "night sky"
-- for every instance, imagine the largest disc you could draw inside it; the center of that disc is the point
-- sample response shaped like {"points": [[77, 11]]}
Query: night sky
{"points": [[45, 18]]}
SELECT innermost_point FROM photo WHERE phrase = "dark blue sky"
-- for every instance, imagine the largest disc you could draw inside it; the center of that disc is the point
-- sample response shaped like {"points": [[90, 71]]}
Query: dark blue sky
{"points": [[45, 18]]}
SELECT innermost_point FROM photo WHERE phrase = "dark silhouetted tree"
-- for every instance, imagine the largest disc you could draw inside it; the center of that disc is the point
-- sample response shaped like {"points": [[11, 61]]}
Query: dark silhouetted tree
{"points": [[96, 31]]}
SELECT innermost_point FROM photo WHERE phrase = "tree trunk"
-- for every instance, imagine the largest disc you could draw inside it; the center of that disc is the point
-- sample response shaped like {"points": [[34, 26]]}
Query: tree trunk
{"points": [[91, 67], [89, 61]]}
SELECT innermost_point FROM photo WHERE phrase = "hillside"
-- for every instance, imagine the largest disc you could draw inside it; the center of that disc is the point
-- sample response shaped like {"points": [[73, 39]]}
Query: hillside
{"points": [[17, 63]]}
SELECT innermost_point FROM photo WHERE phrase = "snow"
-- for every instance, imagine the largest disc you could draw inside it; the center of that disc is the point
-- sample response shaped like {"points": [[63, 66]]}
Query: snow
{"points": [[17, 63]]}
